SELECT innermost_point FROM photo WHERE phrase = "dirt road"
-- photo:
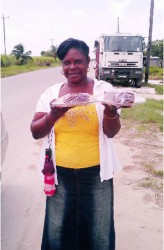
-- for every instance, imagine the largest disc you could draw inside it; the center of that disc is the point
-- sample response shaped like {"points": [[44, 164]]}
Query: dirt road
{"points": [[138, 193]]}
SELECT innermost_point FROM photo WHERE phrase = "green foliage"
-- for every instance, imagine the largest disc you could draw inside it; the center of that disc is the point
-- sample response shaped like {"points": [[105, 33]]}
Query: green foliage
{"points": [[149, 113], [155, 73], [35, 64], [50, 53], [16, 69], [43, 60], [7, 60], [18, 52], [158, 89], [157, 48]]}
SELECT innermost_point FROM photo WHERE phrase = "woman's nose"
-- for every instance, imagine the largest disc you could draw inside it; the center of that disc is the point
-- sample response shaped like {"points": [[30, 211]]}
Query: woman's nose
{"points": [[72, 65]]}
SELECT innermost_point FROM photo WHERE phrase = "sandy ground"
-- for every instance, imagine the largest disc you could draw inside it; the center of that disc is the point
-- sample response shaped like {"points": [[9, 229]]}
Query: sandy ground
{"points": [[138, 193]]}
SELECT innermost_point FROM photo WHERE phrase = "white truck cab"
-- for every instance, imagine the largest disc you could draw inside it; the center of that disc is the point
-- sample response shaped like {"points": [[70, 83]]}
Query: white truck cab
{"points": [[119, 58]]}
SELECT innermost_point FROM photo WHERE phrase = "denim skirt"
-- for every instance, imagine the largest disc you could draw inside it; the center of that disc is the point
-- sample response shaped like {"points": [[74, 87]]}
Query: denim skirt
{"points": [[80, 215]]}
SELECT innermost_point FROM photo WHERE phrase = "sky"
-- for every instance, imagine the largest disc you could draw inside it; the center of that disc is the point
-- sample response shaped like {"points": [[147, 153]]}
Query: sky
{"points": [[39, 24]]}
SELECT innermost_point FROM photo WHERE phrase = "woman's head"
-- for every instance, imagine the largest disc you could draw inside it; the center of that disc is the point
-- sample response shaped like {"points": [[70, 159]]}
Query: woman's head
{"points": [[72, 43], [74, 55]]}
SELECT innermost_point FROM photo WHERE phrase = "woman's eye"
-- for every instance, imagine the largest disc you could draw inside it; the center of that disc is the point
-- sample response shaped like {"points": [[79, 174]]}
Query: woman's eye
{"points": [[78, 62], [66, 63]]}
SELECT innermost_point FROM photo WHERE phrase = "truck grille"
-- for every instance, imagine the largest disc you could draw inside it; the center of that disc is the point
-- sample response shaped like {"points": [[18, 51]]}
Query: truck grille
{"points": [[123, 64], [123, 72]]}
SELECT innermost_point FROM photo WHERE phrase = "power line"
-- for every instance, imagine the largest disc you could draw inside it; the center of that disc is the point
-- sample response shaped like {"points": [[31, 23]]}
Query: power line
{"points": [[26, 29], [21, 26], [128, 11]]}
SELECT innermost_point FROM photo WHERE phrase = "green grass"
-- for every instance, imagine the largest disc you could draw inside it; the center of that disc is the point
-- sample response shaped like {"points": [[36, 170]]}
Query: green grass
{"points": [[148, 114], [156, 73], [37, 64], [150, 169], [14, 69], [158, 87], [152, 184]]}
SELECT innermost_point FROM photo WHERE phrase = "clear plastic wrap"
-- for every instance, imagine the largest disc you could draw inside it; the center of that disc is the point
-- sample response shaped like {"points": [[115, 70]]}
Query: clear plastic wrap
{"points": [[74, 99], [116, 98], [119, 99]]}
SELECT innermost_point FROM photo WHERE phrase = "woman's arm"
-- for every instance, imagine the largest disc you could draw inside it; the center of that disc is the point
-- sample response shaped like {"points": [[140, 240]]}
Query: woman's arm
{"points": [[111, 121], [42, 122]]}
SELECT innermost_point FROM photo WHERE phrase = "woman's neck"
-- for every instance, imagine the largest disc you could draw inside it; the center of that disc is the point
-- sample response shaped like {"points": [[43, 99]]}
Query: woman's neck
{"points": [[83, 87], [80, 84]]}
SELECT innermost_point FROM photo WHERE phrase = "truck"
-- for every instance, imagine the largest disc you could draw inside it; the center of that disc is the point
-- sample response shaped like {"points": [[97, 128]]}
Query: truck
{"points": [[119, 59]]}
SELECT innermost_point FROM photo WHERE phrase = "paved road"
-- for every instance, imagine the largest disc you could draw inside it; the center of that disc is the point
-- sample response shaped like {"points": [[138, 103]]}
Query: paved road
{"points": [[23, 202]]}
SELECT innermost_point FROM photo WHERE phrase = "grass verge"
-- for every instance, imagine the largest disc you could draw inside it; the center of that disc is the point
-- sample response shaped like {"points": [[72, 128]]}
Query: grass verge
{"points": [[158, 87], [17, 69], [151, 183], [155, 172], [148, 115]]}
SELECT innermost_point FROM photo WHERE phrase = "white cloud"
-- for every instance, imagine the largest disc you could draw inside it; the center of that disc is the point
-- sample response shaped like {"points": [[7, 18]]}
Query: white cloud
{"points": [[118, 7], [77, 12], [159, 5], [83, 20]]}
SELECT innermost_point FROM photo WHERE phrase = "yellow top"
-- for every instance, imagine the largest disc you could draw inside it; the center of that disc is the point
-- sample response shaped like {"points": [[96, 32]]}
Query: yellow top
{"points": [[76, 138]]}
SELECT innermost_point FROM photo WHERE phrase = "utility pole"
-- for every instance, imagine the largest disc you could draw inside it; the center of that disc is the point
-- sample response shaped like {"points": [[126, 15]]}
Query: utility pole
{"points": [[118, 28], [149, 41], [4, 32], [52, 40]]}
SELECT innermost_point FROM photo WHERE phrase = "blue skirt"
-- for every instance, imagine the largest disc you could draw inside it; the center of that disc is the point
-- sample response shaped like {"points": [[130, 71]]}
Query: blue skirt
{"points": [[80, 215]]}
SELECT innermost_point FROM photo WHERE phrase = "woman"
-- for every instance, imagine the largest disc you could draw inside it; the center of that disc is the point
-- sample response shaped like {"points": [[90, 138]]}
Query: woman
{"points": [[80, 214]]}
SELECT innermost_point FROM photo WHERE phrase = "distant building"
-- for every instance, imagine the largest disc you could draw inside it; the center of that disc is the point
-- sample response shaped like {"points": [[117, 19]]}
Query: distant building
{"points": [[155, 61]]}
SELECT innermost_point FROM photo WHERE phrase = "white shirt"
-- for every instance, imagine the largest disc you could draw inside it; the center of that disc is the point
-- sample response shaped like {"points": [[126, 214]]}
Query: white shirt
{"points": [[109, 162]]}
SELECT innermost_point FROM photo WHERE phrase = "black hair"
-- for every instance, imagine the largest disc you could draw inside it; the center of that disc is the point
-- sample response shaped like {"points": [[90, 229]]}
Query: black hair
{"points": [[72, 43]]}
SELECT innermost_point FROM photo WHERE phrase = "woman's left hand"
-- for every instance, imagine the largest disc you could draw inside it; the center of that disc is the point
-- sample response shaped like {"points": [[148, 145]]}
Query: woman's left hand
{"points": [[110, 110], [111, 121]]}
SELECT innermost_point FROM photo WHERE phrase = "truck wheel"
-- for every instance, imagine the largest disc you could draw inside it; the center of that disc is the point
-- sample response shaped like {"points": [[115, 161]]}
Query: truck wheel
{"points": [[137, 84]]}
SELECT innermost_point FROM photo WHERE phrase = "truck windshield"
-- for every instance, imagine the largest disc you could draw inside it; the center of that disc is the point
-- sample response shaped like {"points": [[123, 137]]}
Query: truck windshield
{"points": [[123, 43]]}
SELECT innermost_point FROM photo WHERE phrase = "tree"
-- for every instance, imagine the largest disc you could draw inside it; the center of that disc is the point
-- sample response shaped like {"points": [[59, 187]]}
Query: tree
{"points": [[22, 57], [51, 52], [43, 53], [157, 48]]}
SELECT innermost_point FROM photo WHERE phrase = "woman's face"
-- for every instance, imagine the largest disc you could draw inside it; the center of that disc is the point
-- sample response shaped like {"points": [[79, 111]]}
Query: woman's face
{"points": [[75, 66]]}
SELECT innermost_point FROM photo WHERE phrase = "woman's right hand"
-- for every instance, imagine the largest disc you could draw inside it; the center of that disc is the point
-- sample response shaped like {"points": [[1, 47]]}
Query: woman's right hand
{"points": [[57, 110], [42, 122]]}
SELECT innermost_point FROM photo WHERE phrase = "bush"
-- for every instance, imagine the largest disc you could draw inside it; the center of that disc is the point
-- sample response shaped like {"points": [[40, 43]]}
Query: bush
{"points": [[156, 71], [35, 64], [43, 60], [7, 60]]}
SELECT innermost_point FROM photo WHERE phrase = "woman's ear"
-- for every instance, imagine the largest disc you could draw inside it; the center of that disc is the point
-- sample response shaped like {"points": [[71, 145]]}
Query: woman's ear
{"points": [[88, 60]]}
